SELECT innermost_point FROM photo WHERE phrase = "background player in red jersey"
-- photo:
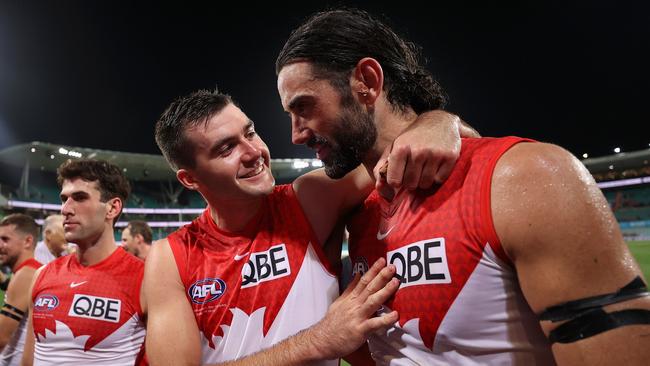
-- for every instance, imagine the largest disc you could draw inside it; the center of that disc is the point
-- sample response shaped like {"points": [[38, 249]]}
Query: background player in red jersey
{"points": [[18, 236], [86, 307], [203, 277], [562, 252]]}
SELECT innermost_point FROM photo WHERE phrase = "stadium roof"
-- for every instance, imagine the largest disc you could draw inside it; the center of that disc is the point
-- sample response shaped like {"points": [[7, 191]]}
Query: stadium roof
{"points": [[47, 157], [620, 161]]}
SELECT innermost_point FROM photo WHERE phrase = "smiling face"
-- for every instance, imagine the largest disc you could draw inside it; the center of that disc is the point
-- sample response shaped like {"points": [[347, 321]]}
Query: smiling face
{"points": [[85, 214], [333, 124], [231, 160], [12, 243]]}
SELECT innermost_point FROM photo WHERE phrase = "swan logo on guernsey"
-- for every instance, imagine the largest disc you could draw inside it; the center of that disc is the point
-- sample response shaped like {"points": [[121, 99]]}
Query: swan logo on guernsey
{"points": [[206, 290], [421, 263], [46, 303], [266, 266]]}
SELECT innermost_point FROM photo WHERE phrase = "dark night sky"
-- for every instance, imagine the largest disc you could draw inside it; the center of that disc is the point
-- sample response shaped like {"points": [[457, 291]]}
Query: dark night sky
{"points": [[98, 74]]}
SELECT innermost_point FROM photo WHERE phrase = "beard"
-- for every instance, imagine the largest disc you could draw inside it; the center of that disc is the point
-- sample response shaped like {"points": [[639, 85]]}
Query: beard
{"points": [[6, 260], [354, 135]]}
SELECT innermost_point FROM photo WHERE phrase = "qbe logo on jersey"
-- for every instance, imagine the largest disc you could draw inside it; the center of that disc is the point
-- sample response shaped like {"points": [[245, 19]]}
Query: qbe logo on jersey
{"points": [[421, 263], [206, 290], [266, 266], [94, 307]]}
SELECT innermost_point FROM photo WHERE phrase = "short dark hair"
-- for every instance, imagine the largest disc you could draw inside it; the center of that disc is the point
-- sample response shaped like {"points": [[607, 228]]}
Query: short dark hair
{"points": [[334, 41], [110, 180], [185, 112], [140, 227], [25, 224]]}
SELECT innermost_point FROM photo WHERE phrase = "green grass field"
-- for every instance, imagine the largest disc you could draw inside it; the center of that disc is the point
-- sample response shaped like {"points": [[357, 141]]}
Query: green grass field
{"points": [[641, 251]]}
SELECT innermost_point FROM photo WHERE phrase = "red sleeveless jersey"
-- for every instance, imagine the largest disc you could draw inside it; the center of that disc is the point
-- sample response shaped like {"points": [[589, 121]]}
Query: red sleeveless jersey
{"points": [[459, 301], [30, 262], [86, 315], [252, 289]]}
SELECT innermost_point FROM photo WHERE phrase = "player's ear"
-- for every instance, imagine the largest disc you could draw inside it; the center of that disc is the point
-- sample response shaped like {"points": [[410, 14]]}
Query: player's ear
{"points": [[187, 179], [367, 80], [29, 242], [115, 206]]}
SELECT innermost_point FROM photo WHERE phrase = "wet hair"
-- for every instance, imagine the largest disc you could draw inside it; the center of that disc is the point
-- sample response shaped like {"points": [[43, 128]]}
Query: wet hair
{"points": [[334, 41], [111, 182], [182, 114], [140, 227], [23, 223]]}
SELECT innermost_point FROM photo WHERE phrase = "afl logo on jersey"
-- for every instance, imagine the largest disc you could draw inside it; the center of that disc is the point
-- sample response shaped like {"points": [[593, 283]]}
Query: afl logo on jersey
{"points": [[46, 303], [206, 290], [360, 266]]}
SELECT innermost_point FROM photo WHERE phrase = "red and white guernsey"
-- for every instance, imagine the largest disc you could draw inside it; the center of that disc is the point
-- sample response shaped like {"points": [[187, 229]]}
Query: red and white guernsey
{"points": [[89, 315], [252, 289], [459, 300]]}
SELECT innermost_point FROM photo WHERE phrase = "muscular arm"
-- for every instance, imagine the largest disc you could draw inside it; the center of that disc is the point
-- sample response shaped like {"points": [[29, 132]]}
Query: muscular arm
{"points": [[424, 153], [325, 200], [172, 333], [28, 350], [556, 226], [17, 296]]}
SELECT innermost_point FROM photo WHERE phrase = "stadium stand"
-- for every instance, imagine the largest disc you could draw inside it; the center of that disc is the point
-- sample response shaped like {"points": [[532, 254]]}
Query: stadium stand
{"points": [[29, 184], [625, 181]]}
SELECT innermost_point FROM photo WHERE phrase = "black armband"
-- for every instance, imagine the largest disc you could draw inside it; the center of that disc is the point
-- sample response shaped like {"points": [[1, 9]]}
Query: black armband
{"points": [[596, 322], [11, 315], [15, 313], [575, 308], [14, 309], [587, 318]]}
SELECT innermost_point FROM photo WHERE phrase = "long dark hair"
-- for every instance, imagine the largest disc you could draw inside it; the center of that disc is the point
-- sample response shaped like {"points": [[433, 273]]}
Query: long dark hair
{"points": [[335, 40]]}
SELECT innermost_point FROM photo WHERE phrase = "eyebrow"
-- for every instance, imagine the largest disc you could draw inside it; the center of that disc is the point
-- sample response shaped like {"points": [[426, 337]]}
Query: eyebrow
{"points": [[217, 145], [297, 100], [75, 194]]}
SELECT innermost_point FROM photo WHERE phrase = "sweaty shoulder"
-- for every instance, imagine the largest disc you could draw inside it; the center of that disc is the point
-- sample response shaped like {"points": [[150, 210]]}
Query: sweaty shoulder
{"points": [[531, 180], [556, 226]]}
